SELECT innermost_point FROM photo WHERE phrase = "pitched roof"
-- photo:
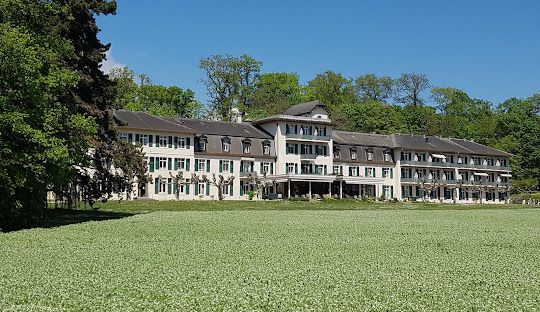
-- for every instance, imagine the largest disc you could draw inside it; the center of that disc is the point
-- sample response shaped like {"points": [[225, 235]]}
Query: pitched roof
{"points": [[234, 129], [141, 120], [363, 139], [480, 149], [303, 108]]}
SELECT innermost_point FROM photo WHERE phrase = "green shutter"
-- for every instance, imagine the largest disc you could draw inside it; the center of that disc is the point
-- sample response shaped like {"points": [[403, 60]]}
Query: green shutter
{"points": [[220, 165], [157, 163], [130, 137], [186, 187], [196, 187], [391, 191], [170, 141], [296, 168], [169, 163], [231, 166], [241, 188], [156, 185], [169, 186], [207, 189], [150, 140], [151, 163], [188, 143], [325, 170], [365, 174], [208, 165], [261, 167], [271, 168], [231, 189], [137, 138], [241, 167], [175, 142], [157, 140], [187, 164], [391, 173], [175, 163], [196, 164], [286, 168], [252, 166]]}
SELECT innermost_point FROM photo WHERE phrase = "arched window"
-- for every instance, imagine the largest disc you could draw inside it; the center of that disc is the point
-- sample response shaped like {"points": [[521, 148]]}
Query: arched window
{"points": [[246, 146], [226, 144], [369, 154]]}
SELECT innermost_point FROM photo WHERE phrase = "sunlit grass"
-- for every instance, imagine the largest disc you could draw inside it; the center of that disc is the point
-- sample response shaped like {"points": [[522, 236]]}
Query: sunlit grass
{"points": [[281, 257]]}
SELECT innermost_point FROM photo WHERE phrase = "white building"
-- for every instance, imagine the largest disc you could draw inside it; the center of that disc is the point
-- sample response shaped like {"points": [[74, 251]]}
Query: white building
{"points": [[298, 154]]}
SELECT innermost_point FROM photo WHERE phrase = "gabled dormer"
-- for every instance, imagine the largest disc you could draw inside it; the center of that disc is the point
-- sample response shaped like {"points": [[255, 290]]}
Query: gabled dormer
{"points": [[314, 109]]}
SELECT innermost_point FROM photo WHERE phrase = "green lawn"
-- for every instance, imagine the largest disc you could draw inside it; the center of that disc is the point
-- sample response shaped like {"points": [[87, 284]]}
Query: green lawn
{"points": [[278, 256]]}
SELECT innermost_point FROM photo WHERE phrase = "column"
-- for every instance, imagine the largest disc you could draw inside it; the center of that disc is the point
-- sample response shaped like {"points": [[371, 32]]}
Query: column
{"points": [[309, 195], [330, 189], [289, 188], [340, 189]]}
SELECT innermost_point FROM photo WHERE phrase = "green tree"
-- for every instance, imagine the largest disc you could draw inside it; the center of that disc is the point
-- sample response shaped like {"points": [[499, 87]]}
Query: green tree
{"points": [[409, 89], [230, 81], [373, 116], [275, 93], [371, 87]]}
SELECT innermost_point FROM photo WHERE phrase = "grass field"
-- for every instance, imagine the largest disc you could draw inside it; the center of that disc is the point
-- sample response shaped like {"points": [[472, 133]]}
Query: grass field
{"points": [[278, 256]]}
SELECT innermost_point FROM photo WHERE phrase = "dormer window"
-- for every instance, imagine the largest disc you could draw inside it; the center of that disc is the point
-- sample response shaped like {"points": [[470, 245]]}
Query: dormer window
{"points": [[354, 153], [266, 147], [246, 146], [387, 155], [202, 142], [369, 154], [337, 153], [122, 136], [226, 145]]}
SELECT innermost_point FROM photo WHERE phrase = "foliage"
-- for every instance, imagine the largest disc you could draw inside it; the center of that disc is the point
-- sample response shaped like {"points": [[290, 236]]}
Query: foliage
{"points": [[409, 89], [230, 82], [153, 99], [251, 194], [53, 102], [281, 259], [371, 87]]}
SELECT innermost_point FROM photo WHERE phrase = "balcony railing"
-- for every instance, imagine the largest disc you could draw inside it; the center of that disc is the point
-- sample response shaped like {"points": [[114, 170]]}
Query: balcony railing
{"points": [[445, 182], [452, 165]]}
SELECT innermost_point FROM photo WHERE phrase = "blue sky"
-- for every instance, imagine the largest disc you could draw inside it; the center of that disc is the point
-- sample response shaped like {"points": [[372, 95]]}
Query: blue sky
{"points": [[490, 49]]}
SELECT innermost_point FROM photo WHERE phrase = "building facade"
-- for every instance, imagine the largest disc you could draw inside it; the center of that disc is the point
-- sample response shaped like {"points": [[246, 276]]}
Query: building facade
{"points": [[298, 154]]}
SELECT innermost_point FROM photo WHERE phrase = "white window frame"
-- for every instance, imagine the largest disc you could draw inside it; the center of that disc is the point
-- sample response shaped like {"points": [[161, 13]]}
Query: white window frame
{"points": [[122, 136], [370, 172], [181, 163], [354, 171], [162, 186], [266, 149], [369, 155], [290, 168], [290, 148], [181, 142], [246, 166], [266, 167], [225, 189], [202, 146], [201, 165], [143, 139], [246, 148], [226, 146], [387, 156], [162, 162], [202, 188], [354, 154], [226, 166], [337, 169], [386, 172], [163, 139]]}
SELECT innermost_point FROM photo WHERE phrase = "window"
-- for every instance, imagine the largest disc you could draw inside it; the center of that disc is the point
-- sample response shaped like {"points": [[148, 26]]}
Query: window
{"points": [[266, 149], [225, 189], [163, 163], [370, 172], [305, 149], [246, 166], [406, 173], [405, 156], [420, 157], [143, 139], [337, 154], [387, 156], [353, 154], [306, 169], [181, 142], [369, 154], [447, 193], [163, 141], [387, 173], [290, 148], [388, 191], [201, 164], [162, 186], [226, 146], [353, 171], [122, 136], [202, 188], [246, 147], [181, 188], [201, 145], [287, 129], [290, 167], [225, 166], [181, 163], [265, 167], [338, 170]]}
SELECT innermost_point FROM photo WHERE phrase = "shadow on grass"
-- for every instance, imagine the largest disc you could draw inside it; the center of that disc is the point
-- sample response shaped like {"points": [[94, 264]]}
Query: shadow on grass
{"points": [[60, 217]]}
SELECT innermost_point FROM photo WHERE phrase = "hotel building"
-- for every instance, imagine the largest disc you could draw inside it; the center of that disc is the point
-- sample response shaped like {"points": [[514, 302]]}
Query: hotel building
{"points": [[298, 154]]}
